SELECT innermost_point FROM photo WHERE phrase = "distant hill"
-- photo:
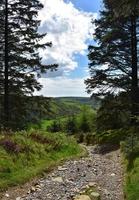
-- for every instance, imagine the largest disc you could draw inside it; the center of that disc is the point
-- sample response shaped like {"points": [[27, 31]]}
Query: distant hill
{"points": [[40, 107], [63, 106], [94, 102]]}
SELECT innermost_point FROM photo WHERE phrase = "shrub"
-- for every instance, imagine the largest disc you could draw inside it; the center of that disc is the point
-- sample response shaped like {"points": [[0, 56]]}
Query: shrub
{"points": [[130, 147], [40, 138], [80, 138], [71, 125], [85, 120], [55, 126], [10, 146], [90, 138], [111, 136]]}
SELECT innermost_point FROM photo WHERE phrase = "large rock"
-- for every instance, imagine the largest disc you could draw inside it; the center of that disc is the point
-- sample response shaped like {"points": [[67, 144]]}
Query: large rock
{"points": [[82, 197]]}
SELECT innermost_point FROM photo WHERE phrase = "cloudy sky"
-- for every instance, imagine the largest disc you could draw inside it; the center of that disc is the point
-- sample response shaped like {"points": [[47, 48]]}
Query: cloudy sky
{"points": [[68, 26]]}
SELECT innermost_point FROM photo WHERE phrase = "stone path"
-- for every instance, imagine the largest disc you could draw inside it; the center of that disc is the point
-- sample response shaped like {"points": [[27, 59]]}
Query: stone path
{"points": [[104, 172]]}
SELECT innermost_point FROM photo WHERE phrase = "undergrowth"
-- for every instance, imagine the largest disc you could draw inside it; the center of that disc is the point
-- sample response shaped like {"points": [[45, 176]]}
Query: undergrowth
{"points": [[130, 149], [24, 155]]}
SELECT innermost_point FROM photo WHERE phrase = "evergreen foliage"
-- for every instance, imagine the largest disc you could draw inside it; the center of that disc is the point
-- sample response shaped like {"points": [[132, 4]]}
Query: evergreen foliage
{"points": [[20, 59], [71, 125], [113, 113], [113, 62], [110, 61]]}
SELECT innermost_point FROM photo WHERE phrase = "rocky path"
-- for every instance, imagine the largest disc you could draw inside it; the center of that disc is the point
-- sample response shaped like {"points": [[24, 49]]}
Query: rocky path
{"points": [[102, 171]]}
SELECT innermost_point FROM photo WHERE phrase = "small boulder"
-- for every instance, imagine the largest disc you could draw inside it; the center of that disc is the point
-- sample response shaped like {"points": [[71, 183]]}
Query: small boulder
{"points": [[58, 179], [95, 195]]}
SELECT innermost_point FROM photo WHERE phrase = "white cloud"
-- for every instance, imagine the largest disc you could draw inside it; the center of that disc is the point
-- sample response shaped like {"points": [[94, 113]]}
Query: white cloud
{"points": [[62, 87], [69, 29]]}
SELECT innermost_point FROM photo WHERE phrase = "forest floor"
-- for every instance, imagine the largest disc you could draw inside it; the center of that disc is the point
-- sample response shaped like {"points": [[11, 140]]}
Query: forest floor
{"points": [[101, 170]]}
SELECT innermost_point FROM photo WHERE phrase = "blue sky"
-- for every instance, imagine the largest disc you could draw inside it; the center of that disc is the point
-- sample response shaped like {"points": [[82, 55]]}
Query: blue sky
{"points": [[87, 5], [68, 26]]}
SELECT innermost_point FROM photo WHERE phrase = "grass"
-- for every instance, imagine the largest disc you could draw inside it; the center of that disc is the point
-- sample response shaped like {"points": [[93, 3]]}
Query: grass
{"points": [[132, 182], [130, 150], [24, 155]]}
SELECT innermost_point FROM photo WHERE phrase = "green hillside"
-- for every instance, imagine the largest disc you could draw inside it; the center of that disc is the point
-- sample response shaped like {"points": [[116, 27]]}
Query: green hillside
{"points": [[70, 115], [63, 106], [94, 102], [39, 108]]}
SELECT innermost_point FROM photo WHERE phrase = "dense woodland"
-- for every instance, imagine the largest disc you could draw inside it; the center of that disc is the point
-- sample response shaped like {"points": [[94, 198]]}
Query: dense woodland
{"points": [[110, 116]]}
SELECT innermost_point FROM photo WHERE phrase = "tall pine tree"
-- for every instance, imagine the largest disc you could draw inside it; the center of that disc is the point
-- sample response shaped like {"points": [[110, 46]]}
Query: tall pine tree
{"points": [[113, 63], [21, 62], [130, 8]]}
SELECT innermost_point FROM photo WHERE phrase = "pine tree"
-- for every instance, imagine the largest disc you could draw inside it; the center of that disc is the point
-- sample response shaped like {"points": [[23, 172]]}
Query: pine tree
{"points": [[113, 63], [2, 26], [110, 61], [130, 8], [71, 125], [113, 113], [22, 62]]}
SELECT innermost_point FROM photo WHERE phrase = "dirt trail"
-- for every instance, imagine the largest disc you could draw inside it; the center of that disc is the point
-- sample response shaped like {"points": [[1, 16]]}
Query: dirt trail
{"points": [[103, 171]]}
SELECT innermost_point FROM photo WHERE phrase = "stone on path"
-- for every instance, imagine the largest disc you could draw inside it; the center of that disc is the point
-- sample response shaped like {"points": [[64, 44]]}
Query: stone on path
{"points": [[7, 195], [92, 184], [58, 179], [113, 174], [82, 197], [33, 189], [84, 179], [62, 168], [95, 195], [18, 198]]}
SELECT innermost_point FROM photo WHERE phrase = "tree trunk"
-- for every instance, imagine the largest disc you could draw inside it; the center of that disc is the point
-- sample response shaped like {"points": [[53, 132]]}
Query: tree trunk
{"points": [[134, 86], [6, 71]]}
